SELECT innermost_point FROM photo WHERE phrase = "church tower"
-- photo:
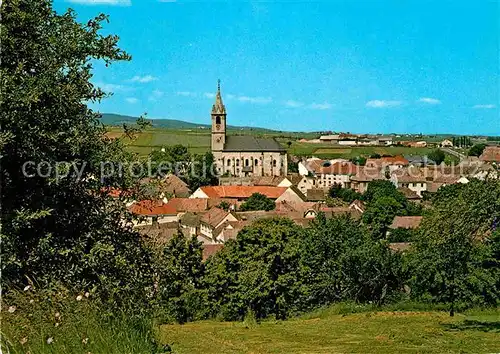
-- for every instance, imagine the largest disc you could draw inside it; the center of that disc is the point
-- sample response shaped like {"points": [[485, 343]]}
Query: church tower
{"points": [[218, 122]]}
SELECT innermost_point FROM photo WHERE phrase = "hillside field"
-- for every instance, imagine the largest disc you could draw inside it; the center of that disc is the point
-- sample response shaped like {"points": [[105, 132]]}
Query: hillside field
{"points": [[369, 332], [198, 141]]}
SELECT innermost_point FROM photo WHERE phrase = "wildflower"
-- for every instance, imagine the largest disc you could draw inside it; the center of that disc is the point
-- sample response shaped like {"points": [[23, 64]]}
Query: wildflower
{"points": [[12, 309], [85, 340], [23, 340], [87, 294], [32, 301], [57, 315], [50, 340], [57, 324], [27, 287], [79, 298]]}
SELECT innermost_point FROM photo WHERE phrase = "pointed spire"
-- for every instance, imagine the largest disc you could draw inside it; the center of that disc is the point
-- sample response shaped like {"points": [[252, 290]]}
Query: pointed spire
{"points": [[218, 107]]}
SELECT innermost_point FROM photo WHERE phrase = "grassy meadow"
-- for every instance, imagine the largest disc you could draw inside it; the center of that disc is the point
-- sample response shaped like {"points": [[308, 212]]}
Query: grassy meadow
{"points": [[332, 332], [198, 142]]}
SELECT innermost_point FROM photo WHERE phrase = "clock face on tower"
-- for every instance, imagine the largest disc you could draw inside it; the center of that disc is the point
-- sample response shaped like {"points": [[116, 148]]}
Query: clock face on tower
{"points": [[217, 126]]}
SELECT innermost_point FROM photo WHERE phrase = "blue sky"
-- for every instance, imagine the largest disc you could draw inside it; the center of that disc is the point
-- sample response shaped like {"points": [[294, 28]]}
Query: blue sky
{"points": [[357, 66]]}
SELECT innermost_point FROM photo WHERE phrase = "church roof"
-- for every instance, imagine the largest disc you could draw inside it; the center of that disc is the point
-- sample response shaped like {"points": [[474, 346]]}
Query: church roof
{"points": [[251, 143], [218, 107]]}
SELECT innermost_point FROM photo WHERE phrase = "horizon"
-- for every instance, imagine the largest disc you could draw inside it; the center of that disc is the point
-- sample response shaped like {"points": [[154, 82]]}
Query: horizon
{"points": [[357, 67], [231, 126]]}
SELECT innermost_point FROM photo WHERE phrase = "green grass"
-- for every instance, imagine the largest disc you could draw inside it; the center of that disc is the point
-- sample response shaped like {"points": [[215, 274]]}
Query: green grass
{"points": [[61, 324], [198, 142], [327, 331]]}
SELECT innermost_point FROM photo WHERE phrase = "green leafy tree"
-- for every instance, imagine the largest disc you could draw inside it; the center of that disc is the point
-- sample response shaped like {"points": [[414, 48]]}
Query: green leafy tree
{"points": [[180, 274], [224, 205], [258, 201], [455, 250], [57, 224], [257, 272], [380, 213], [437, 155], [346, 194], [476, 150]]}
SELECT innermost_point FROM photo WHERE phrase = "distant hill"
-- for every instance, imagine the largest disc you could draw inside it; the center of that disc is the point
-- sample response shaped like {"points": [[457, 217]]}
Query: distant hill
{"points": [[118, 120]]}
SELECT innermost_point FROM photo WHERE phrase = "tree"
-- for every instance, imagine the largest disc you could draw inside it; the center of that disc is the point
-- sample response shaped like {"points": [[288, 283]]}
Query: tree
{"points": [[359, 160], [455, 249], [224, 205], [380, 213], [180, 275], [258, 201], [58, 223], [437, 155], [476, 150], [257, 272], [346, 194]]}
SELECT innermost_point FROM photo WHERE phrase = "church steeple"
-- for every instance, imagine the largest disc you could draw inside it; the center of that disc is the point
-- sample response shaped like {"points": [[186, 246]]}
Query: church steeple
{"points": [[218, 107], [218, 122]]}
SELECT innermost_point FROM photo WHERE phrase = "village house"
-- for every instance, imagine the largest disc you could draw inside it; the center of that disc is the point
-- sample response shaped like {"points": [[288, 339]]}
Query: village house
{"points": [[393, 162], [446, 143], [210, 221], [244, 155], [410, 178], [330, 139], [364, 175]]}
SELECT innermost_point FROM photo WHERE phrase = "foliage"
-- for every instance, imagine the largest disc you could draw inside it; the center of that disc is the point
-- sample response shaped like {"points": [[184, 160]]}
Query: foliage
{"points": [[258, 201], [383, 203], [180, 271], [359, 160], [380, 213], [400, 235], [59, 321], [341, 262], [437, 155], [476, 150], [346, 194], [61, 226], [224, 205], [293, 167], [455, 257], [257, 272]]}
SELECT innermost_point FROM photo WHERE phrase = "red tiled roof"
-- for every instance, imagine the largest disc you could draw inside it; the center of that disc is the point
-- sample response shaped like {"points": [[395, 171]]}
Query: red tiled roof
{"points": [[209, 250], [406, 222], [409, 194], [491, 154], [367, 174], [214, 216], [151, 208], [386, 161], [188, 204], [242, 192]]}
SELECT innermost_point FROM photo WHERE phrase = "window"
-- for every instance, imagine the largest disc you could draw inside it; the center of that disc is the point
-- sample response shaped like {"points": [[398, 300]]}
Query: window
{"points": [[247, 163], [229, 162], [217, 120], [256, 162], [237, 162], [274, 163]]}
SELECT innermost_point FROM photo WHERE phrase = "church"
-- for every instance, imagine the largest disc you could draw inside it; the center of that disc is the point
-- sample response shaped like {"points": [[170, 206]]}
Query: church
{"points": [[243, 155]]}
